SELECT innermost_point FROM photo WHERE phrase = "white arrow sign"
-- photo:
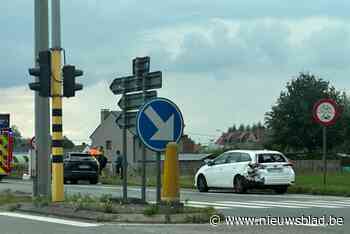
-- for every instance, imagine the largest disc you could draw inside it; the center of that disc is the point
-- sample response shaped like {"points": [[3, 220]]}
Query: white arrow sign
{"points": [[165, 130]]}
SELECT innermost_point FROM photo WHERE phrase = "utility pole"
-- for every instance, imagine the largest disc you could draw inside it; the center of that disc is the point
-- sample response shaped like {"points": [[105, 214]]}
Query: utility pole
{"points": [[57, 136], [41, 179]]}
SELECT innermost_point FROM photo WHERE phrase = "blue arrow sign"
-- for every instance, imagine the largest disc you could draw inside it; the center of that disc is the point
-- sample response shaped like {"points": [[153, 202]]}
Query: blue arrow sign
{"points": [[159, 122]]}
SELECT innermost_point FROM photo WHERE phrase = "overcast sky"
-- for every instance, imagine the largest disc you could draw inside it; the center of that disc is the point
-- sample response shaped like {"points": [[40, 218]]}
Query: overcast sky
{"points": [[223, 62]]}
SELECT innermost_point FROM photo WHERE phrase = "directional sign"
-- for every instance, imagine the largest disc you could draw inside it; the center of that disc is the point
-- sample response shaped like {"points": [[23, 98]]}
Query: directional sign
{"points": [[136, 100], [326, 112], [141, 65], [130, 119], [159, 122], [132, 83]]}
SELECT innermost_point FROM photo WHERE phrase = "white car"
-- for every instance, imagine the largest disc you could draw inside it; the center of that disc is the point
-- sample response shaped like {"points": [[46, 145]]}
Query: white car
{"points": [[246, 169]]}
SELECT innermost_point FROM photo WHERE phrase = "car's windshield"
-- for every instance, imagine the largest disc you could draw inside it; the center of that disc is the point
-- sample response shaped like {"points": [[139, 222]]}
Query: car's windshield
{"points": [[270, 158]]}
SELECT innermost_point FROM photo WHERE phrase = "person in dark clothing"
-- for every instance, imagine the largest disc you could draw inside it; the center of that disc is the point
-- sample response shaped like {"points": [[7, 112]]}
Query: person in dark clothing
{"points": [[102, 159], [119, 164], [103, 162]]}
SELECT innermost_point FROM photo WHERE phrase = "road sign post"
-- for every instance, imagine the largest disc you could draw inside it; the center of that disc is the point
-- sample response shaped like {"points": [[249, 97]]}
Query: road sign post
{"points": [[141, 67], [159, 121], [326, 113], [138, 84], [125, 156]]}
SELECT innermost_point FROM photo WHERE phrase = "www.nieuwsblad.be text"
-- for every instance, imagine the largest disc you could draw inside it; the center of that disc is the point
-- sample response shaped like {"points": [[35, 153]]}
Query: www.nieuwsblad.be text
{"points": [[325, 220]]}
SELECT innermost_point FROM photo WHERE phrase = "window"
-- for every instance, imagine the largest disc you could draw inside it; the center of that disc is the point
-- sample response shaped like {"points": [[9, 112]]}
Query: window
{"points": [[244, 157], [108, 145], [270, 158], [221, 159], [233, 157]]}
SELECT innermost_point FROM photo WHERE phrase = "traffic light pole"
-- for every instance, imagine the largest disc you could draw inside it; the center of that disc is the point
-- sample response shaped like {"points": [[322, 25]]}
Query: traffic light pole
{"points": [[41, 179], [57, 136]]}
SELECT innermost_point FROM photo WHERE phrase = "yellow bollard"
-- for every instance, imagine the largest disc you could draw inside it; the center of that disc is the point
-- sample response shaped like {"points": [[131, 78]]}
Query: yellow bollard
{"points": [[170, 188]]}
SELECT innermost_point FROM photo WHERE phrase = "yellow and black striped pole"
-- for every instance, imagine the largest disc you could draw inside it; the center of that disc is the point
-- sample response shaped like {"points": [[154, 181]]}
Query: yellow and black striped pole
{"points": [[57, 136]]}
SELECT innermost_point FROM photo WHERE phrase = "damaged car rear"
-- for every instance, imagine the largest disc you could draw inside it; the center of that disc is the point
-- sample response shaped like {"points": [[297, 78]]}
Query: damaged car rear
{"points": [[246, 169]]}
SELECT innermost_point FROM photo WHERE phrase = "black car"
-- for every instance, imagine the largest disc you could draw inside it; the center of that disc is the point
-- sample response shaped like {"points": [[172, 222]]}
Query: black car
{"points": [[80, 166]]}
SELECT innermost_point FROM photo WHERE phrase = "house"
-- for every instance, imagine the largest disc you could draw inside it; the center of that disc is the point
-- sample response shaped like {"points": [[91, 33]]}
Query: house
{"points": [[252, 139], [187, 145], [110, 136]]}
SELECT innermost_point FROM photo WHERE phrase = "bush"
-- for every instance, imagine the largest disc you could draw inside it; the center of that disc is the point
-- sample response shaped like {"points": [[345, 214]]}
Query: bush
{"points": [[151, 210]]}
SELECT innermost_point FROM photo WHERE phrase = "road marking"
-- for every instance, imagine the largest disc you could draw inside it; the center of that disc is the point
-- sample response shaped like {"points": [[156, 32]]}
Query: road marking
{"points": [[324, 204], [49, 220], [295, 204], [225, 205], [267, 204], [342, 203], [206, 206]]}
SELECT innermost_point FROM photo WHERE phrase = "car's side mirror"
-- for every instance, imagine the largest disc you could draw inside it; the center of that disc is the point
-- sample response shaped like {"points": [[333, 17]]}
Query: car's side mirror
{"points": [[210, 163]]}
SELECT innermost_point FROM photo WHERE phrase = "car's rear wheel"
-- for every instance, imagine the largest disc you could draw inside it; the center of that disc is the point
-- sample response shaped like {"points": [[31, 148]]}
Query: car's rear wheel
{"points": [[94, 181], [202, 184], [73, 181], [281, 190], [239, 184]]}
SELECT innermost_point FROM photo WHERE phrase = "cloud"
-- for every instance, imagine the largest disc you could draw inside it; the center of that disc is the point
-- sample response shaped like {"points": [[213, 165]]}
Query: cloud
{"points": [[223, 62]]}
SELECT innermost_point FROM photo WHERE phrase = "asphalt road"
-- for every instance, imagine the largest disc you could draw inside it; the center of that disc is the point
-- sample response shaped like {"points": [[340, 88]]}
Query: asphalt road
{"points": [[267, 205]]}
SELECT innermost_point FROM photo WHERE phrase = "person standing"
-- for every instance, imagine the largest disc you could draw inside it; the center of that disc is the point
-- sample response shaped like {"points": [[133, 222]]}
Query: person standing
{"points": [[119, 164], [102, 160]]}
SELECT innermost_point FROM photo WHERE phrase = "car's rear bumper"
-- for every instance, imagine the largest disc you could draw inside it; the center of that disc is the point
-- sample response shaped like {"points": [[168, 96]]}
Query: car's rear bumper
{"points": [[266, 182], [80, 175]]}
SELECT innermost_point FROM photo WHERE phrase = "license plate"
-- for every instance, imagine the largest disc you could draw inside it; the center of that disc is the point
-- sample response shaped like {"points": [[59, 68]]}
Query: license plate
{"points": [[84, 166], [274, 169]]}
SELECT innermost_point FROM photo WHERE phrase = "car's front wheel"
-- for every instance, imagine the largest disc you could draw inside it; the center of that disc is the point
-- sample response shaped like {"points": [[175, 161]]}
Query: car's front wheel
{"points": [[202, 184], [281, 190]]}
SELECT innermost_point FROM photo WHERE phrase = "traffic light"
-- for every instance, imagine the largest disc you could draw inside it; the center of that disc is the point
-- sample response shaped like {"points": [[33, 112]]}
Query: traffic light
{"points": [[43, 72], [69, 85], [140, 65]]}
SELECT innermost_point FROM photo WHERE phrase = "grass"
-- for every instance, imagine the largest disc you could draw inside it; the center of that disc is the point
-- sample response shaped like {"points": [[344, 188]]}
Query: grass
{"points": [[151, 210], [7, 197], [311, 183], [306, 183]]}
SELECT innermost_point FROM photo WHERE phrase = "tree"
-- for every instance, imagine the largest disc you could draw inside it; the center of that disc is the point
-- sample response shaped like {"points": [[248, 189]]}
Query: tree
{"points": [[234, 128], [254, 127], [290, 120], [18, 141], [241, 127]]}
